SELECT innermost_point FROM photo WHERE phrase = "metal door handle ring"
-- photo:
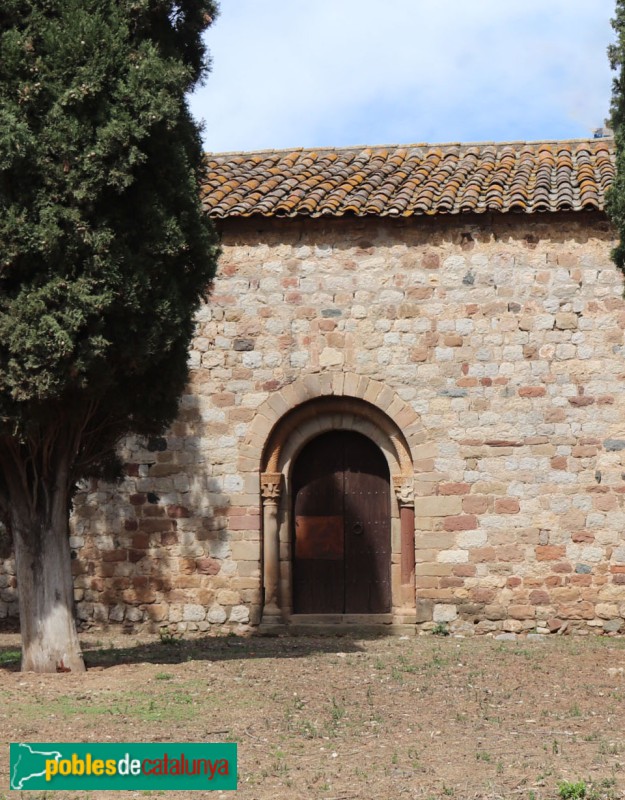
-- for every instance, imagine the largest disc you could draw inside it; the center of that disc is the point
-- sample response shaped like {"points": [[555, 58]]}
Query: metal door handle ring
{"points": [[358, 528]]}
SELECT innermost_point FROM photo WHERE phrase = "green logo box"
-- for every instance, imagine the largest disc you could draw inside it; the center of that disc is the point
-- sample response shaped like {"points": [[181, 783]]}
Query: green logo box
{"points": [[129, 766]]}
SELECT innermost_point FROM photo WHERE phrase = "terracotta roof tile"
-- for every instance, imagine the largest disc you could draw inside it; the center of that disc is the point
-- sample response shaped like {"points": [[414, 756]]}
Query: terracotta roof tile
{"points": [[409, 180]]}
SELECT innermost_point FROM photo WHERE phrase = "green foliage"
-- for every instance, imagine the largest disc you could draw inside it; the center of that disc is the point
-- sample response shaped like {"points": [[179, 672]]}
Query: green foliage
{"points": [[571, 791], [615, 202], [104, 252]]}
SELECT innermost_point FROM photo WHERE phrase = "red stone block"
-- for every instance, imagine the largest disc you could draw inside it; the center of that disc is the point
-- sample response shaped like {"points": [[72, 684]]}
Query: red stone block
{"points": [[141, 541], [482, 595], [584, 451], [463, 522], [431, 261], [577, 611], [507, 505], [248, 522], [532, 391], [539, 598], [169, 538], [178, 512], [119, 554], [580, 580], [419, 354], [223, 399], [582, 536], [451, 582], [464, 570], [607, 502], [137, 499], [454, 488], [475, 504], [208, 566], [581, 400], [550, 552], [481, 554]]}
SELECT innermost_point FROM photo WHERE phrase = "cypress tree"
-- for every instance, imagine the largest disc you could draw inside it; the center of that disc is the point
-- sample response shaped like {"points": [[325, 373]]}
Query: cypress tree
{"points": [[105, 256]]}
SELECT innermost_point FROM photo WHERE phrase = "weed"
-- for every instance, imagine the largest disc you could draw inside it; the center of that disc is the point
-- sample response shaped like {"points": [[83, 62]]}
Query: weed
{"points": [[413, 755], [396, 675], [604, 790], [404, 666], [482, 755], [337, 712], [309, 730], [163, 676], [9, 658], [571, 791], [574, 711], [167, 637], [440, 629], [608, 748]]}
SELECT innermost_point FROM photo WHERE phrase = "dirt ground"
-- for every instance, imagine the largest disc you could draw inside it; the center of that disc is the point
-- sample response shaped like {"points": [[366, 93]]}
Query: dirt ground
{"points": [[340, 718]]}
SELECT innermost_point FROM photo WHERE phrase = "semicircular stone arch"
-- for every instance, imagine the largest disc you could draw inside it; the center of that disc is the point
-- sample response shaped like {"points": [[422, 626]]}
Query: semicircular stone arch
{"points": [[257, 452], [295, 415]]}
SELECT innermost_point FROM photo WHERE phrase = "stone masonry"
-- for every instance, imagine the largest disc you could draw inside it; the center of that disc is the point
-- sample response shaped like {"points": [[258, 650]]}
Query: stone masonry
{"points": [[496, 338]]}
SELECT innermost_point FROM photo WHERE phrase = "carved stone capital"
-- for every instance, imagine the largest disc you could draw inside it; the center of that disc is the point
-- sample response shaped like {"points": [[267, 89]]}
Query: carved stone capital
{"points": [[404, 490], [270, 486]]}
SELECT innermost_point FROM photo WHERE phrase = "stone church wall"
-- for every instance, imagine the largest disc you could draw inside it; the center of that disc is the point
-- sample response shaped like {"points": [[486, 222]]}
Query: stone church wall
{"points": [[502, 333]]}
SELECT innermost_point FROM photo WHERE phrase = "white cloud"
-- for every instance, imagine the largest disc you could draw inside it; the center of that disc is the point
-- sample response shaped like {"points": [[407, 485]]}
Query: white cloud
{"points": [[290, 73]]}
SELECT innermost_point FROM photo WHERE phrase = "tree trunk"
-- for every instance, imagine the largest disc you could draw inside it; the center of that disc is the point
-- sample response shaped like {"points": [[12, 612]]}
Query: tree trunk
{"points": [[45, 585]]}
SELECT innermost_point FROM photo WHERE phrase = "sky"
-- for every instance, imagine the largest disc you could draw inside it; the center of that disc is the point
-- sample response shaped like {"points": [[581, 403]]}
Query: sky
{"points": [[335, 73]]}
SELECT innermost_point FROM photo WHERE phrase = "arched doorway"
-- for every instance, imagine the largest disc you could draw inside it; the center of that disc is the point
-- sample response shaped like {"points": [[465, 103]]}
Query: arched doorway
{"points": [[341, 526], [282, 460]]}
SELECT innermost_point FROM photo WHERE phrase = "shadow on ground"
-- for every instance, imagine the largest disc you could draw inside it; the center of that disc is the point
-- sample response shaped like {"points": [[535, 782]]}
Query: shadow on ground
{"points": [[172, 650]]}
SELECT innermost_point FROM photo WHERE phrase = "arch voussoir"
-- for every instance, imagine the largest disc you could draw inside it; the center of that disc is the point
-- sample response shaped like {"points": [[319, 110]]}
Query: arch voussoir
{"points": [[318, 404]]}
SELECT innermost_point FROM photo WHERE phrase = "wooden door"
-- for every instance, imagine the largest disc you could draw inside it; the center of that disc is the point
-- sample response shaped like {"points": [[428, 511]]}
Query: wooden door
{"points": [[341, 516]]}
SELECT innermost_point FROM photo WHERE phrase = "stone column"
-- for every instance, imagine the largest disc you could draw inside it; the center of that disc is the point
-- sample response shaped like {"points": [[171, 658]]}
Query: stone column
{"points": [[404, 491], [270, 483]]}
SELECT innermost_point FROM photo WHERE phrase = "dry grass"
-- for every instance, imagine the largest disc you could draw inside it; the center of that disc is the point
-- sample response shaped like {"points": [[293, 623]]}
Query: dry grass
{"points": [[344, 717]]}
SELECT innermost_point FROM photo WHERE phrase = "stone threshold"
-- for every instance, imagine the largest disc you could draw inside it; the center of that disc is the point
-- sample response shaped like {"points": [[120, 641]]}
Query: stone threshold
{"points": [[339, 624]]}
